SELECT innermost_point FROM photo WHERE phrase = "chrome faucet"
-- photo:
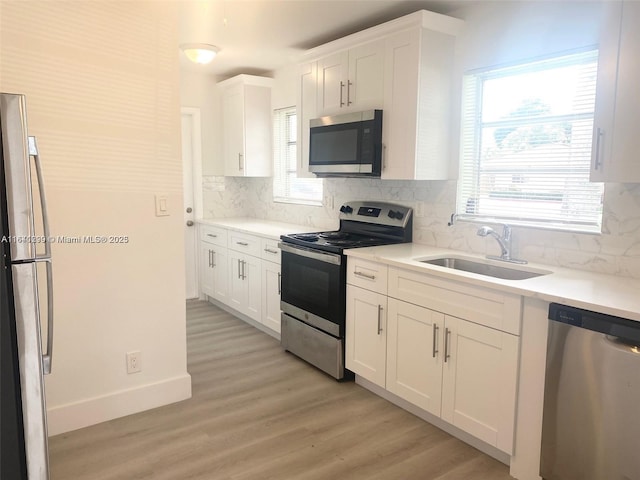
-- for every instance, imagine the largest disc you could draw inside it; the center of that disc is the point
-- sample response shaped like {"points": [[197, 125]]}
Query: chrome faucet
{"points": [[504, 241]]}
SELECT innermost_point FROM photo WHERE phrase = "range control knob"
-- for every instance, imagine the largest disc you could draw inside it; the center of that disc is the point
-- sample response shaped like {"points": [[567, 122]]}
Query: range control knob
{"points": [[392, 214], [396, 215], [346, 209]]}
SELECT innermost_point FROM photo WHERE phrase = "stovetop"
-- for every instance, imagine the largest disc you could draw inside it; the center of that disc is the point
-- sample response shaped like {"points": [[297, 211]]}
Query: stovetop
{"points": [[362, 224]]}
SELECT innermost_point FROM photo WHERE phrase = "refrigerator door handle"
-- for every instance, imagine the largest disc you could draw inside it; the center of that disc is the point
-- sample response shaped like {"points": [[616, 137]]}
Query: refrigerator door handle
{"points": [[46, 355]]}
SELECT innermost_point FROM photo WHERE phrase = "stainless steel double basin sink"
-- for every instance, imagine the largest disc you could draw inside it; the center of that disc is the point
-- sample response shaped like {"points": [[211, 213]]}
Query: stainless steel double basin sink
{"points": [[489, 269]]}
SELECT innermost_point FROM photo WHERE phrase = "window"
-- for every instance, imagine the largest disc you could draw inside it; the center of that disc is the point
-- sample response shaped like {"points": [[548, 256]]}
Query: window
{"points": [[287, 187], [526, 145]]}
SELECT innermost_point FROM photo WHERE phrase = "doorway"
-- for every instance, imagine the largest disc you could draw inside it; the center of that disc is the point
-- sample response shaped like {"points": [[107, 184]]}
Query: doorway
{"points": [[192, 186]]}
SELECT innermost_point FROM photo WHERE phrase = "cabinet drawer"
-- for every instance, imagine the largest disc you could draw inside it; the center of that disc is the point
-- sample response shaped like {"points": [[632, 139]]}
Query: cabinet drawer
{"points": [[215, 235], [484, 306], [369, 275], [269, 250], [241, 242]]}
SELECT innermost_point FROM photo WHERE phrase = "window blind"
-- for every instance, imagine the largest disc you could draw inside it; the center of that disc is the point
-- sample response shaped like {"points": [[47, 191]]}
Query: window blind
{"points": [[287, 187], [526, 144]]}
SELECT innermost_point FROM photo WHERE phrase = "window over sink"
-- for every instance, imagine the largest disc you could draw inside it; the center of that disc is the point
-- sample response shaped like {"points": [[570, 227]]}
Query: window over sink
{"points": [[526, 144], [287, 187]]}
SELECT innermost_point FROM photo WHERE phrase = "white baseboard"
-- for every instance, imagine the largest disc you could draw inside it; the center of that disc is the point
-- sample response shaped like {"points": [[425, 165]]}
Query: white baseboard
{"points": [[73, 416]]}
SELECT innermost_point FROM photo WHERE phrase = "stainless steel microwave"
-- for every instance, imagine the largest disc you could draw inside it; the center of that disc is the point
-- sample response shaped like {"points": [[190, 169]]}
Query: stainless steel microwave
{"points": [[346, 145]]}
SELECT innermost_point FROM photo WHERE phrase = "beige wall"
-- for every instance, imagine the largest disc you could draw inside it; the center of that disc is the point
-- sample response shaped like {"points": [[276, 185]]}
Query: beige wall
{"points": [[101, 80]]}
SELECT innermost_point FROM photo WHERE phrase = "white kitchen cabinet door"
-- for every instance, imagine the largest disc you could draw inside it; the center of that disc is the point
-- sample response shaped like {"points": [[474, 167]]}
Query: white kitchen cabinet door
{"points": [[271, 295], [206, 269], [213, 271], [366, 335], [331, 86], [479, 381], [245, 284], [253, 280], [418, 73], [220, 262], [238, 291], [365, 80], [351, 80], [414, 354], [306, 110], [246, 125], [615, 138], [233, 131]]}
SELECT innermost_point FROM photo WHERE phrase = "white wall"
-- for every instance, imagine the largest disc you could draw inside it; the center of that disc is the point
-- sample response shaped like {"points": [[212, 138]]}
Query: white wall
{"points": [[101, 80], [495, 33]]}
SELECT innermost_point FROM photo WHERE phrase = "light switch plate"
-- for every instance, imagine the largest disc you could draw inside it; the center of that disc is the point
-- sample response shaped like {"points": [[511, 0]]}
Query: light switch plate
{"points": [[162, 206]]}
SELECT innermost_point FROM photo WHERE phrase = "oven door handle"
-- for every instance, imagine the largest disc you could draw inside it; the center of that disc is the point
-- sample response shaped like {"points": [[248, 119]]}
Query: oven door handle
{"points": [[333, 258]]}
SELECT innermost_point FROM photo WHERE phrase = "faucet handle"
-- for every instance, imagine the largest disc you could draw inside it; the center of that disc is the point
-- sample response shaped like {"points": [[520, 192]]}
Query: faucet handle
{"points": [[506, 232]]}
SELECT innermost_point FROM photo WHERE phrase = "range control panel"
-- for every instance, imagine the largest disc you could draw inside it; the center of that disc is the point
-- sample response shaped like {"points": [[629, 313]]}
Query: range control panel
{"points": [[376, 212]]}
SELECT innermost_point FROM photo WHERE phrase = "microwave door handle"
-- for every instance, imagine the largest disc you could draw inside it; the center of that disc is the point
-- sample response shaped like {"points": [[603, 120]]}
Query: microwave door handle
{"points": [[46, 258]]}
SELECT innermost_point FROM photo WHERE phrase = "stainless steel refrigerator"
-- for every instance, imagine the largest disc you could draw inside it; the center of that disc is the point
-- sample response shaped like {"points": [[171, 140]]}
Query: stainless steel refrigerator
{"points": [[26, 256]]}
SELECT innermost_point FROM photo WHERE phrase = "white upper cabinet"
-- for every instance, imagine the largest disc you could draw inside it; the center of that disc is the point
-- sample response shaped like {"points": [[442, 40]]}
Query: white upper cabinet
{"points": [[351, 80], [246, 126], [615, 139], [306, 109], [403, 67], [416, 121]]}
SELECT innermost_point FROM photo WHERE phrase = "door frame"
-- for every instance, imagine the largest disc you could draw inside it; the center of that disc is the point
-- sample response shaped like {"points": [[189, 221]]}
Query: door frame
{"points": [[193, 116]]}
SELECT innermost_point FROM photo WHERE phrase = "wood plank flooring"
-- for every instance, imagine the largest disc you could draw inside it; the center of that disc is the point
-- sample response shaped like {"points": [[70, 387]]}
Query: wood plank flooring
{"points": [[259, 413]]}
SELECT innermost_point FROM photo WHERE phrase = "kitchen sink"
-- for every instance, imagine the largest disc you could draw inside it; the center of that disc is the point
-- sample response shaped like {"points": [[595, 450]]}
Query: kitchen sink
{"points": [[482, 268]]}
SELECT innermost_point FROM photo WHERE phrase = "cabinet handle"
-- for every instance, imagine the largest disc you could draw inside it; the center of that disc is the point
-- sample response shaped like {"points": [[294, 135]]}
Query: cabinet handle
{"points": [[239, 276], [244, 244], [435, 335], [384, 157], [447, 332], [364, 275], [268, 250], [349, 83], [341, 87], [213, 258], [599, 136], [240, 162], [244, 273], [379, 319], [212, 235], [279, 283], [210, 261]]}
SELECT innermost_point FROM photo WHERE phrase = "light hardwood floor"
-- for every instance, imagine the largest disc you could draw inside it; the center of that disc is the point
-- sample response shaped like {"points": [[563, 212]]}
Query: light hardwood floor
{"points": [[259, 413]]}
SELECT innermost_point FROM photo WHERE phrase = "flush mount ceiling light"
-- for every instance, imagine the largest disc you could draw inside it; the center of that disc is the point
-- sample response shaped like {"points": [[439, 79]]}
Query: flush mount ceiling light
{"points": [[201, 53]]}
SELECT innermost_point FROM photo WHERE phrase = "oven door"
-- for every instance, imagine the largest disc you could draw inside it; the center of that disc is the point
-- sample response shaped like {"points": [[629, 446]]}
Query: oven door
{"points": [[314, 287]]}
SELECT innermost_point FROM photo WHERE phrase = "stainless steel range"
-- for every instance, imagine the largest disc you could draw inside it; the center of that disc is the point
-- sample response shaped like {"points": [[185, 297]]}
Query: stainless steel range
{"points": [[314, 277]]}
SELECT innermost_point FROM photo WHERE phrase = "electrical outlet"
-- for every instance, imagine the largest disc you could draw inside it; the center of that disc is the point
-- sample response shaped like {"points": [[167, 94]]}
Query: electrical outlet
{"points": [[134, 362]]}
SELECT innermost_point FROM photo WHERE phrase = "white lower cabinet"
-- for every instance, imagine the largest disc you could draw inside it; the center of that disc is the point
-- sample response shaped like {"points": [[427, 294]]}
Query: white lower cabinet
{"points": [[479, 381], [245, 284], [213, 260], [415, 353], [242, 271], [271, 295], [366, 334], [461, 370]]}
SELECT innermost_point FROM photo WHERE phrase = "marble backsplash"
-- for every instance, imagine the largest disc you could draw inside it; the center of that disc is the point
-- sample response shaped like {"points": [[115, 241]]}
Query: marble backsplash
{"points": [[616, 251]]}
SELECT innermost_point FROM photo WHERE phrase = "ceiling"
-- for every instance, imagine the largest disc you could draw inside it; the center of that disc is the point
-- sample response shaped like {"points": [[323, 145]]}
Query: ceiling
{"points": [[259, 36]]}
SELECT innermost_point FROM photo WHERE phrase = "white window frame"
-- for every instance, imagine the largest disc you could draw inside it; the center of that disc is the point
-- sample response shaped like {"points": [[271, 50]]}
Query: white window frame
{"points": [[285, 179], [473, 173]]}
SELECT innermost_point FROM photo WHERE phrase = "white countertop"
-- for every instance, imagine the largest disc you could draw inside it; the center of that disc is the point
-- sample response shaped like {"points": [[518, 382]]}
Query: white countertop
{"points": [[619, 296], [255, 226]]}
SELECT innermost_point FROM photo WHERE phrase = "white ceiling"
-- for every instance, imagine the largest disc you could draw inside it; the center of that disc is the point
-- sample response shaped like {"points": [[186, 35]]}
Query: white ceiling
{"points": [[259, 36]]}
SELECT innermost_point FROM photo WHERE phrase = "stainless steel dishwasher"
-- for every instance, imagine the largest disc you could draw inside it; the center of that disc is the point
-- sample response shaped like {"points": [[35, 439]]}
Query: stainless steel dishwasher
{"points": [[591, 420]]}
